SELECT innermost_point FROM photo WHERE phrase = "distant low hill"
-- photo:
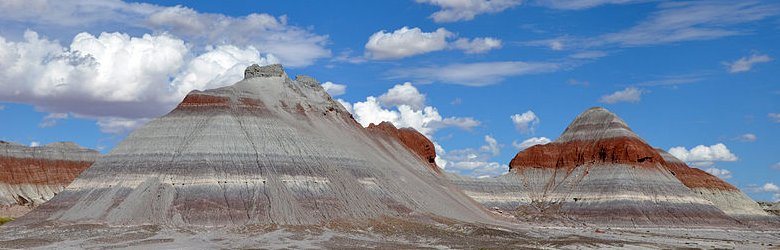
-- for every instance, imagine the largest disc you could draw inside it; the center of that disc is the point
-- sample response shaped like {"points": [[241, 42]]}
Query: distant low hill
{"points": [[30, 176]]}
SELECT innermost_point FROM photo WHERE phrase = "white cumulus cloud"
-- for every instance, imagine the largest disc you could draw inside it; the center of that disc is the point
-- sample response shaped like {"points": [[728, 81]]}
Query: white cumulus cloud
{"points": [[397, 108], [427, 120], [216, 67], [526, 122], [334, 89], [477, 45], [745, 64], [491, 146], [768, 187], [473, 161], [530, 142], [110, 68], [406, 42], [720, 173], [480, 169], [464, 10], [115, 74], [703, 156], [403, 94], [630, 94]]}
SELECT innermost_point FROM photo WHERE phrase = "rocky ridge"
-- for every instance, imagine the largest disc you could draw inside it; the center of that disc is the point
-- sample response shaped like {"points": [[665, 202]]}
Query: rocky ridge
{"points": [[29, 176], [772, 208]]}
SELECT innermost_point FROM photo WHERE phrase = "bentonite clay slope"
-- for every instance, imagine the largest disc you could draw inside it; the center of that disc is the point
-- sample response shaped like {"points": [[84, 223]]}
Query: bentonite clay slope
{"points": [[30, 176], [597, 171], [266, 150], [723, 195]]}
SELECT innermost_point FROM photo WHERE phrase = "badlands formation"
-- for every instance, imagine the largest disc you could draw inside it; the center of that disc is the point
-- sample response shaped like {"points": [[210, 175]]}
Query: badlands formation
{"points": [[272, 162], [600, 172], [267, 150], [29, 176]]}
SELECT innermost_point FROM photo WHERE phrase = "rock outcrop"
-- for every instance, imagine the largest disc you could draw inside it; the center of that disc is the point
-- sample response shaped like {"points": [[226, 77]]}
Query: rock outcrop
{"points": [[413, 140], [771, 208], [267, 150], [599, 171], [29, 176]]}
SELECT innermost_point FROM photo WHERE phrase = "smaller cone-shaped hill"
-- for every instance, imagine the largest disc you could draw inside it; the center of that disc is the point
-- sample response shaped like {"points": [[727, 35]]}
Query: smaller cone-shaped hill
{"points": [[599, 171]]}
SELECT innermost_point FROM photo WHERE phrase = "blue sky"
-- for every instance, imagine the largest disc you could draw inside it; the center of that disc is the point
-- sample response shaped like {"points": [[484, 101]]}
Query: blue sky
{"points": [[696, 78]]}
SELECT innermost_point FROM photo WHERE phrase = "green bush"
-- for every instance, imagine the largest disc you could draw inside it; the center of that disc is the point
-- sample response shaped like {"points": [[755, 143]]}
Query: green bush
{"points": [[4, 220]]}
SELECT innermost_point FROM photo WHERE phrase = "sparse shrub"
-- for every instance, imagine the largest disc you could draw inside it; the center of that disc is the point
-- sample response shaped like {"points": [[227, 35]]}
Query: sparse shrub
{"points": [[4, 220]]}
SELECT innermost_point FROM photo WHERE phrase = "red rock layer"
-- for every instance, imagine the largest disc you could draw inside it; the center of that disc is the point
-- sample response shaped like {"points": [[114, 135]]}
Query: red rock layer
{"points": [[696, 178], [413, 140], [568, 155], [15, 170], [195, 100], [199, 102]]}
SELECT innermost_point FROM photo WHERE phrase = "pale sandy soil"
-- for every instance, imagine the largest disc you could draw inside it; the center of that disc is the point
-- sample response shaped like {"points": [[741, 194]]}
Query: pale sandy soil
{"points": [[385, 234]]}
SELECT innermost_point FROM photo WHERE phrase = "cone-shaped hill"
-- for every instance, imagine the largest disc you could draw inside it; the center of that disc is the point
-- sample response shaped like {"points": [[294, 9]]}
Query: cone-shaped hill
{"points": [[266, 150], [599, 171]]}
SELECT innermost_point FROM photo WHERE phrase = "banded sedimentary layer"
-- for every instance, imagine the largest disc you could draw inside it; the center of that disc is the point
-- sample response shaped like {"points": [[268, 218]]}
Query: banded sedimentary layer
{"points": [[30, 176], [599, 171], [266, 150], [723, 195]]}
